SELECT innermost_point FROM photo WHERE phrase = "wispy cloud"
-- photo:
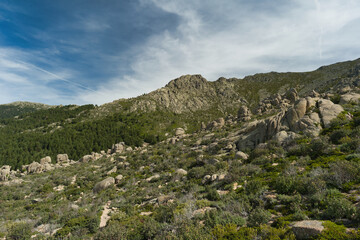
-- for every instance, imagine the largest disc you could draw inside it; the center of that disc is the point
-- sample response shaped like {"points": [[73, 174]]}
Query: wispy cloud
{"points": [[101, 52], [237, 38]]}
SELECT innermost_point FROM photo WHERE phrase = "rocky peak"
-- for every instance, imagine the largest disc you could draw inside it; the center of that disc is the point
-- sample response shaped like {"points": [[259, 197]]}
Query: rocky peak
{"points": [[188, 82]]}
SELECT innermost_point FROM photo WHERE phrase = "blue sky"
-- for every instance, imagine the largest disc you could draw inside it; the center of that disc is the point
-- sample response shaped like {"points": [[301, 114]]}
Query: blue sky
{"points": [[94, 51]]}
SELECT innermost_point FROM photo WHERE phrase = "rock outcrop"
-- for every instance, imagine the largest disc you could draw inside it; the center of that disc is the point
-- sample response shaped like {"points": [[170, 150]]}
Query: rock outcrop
{"points": [[179, 132], [349, 98], [302, 116], [328, 111], [307, 229], [118, 147], [35, 167], [244, 114], [5, 173], [45, 160], [103, 184], [62, 158]]}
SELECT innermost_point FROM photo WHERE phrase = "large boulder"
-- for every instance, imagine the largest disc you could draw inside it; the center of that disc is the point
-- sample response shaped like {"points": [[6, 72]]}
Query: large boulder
{"points": [[307, 229], [45, 160], [62, 158], [241, 155], [259, 131], [292, 95], [118, 147], [181, 172], [244, 114], [350, 97], [47, 167], [4, 172], [103, 184], [179, 132], [118, 178], [87, 158], [328, 111], [284, 137], [35, 167]]}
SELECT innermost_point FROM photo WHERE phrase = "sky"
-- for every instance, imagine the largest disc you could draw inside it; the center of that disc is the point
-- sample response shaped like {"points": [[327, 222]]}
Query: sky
{"points": [[96, 51]]}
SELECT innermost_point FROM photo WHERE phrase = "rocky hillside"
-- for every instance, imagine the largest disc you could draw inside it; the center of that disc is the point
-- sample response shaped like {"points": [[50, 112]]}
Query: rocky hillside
{"points": [[271, 156], [191, 93]]}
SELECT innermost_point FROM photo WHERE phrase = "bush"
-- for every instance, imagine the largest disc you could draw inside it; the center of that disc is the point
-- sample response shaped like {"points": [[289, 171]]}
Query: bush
{"points": [[213, 218], [114, 231], [20, 231], [342, 172], [318, 147], [334, 231], [308, 185], [284, 185], [212, 194], [339, 208], [254, 187], [259, 216], [337, 135]]}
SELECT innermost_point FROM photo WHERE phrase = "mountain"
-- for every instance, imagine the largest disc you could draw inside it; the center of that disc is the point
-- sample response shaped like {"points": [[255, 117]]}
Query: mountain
{"points": [[269, 156], [17, 108]]}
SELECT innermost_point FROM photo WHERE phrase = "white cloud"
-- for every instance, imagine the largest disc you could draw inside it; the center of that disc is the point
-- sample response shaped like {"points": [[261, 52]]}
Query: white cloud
{"points": [[214, 38], [22, 80], [229, 39]]}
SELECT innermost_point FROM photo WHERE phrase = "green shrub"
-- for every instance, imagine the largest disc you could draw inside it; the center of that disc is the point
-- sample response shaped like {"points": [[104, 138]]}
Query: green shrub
{"points": [[318, 147], [20, 231], [339, 208], [213, 218], [284, 184], [115, 231], [337, 135], [259, 216], [254, 187], [338, 232], [212, 194]]}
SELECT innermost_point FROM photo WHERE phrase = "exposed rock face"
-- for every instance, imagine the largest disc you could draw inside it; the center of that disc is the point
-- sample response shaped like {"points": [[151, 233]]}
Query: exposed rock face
{"points": [[118, 178], [103, 184], [5, 173], [241, 155], [189, 93], [307, 229], [244, 114], [62, 158], [292, 95], [113, 170], [35, 167], [118, 147], [153, 178], [86, 158], [45, 160], [284, 137], [350, 97], [328, 111], [179, 132], [181, 172], [218, 123], [257, 132], [299, 117]]}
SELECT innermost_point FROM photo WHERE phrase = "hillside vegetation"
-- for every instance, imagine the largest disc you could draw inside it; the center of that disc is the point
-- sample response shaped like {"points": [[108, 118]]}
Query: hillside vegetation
{"points": [[275, 159]]}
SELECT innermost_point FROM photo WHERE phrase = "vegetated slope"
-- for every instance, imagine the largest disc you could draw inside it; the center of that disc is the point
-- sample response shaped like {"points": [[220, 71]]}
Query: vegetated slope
{"points": [[17, 108], [200, 186], [187, 102]]}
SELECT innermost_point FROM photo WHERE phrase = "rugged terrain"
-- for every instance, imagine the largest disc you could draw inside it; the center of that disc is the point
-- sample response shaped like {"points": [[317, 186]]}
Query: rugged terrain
{"points": [[270, 156]]}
